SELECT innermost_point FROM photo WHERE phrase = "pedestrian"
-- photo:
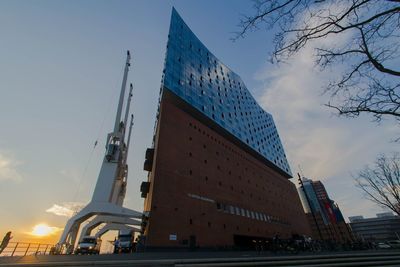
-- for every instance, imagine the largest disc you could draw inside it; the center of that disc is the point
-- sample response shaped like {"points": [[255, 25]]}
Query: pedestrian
{"points": [[5, 241], [117, 246], [276, 243]]}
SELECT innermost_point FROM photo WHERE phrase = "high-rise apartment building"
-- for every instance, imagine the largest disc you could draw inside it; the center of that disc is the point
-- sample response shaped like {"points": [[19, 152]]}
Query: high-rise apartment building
{"points": [[320, 190], [218, 174], [325, 218]]}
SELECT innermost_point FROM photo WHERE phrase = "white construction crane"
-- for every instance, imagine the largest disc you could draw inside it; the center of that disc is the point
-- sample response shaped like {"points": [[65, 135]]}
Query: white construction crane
{"points": [[106, 208]]}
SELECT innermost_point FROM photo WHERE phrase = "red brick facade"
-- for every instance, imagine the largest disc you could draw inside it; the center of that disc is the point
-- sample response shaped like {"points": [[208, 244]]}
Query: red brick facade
{"points": [[205, 189]]}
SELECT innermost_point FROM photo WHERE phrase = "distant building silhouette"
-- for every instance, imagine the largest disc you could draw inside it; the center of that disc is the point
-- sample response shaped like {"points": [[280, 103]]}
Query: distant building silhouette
{"points": [[384, 227]]}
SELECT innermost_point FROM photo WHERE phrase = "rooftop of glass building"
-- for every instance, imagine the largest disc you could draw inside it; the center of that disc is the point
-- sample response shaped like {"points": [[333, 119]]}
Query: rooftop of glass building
{"points": [[198, 77]]}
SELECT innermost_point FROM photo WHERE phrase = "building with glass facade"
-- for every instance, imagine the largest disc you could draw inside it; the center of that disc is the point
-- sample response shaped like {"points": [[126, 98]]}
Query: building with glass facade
{"points": [[218, 173], [325, 218]]}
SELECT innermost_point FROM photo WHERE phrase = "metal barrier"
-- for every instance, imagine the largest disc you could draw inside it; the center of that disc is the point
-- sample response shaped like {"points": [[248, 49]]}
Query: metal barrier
{"points": [[24, 248]]}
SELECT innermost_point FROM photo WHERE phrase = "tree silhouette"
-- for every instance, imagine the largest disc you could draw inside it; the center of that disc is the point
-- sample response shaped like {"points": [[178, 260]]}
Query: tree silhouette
{"points": [[369, 82], [381, 183]]}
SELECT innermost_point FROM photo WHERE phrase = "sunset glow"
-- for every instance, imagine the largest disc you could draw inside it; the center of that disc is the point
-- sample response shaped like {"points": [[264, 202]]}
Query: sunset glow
{"points": [[41, 230]]}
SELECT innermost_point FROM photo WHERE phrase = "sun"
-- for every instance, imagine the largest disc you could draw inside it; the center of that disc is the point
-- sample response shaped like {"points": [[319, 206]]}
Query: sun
{"points": [[43, 229]]}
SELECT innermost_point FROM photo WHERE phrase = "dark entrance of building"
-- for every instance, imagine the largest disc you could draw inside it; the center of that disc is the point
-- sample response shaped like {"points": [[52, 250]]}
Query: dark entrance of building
{"points": [[192, 242], [252, 242]]}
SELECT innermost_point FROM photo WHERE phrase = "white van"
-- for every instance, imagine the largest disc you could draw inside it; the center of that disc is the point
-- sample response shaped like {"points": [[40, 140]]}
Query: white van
{"points": [[89, 245]]}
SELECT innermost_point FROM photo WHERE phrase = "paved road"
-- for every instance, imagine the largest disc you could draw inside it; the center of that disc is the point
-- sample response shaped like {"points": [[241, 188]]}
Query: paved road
{"points": [[202, 259]]}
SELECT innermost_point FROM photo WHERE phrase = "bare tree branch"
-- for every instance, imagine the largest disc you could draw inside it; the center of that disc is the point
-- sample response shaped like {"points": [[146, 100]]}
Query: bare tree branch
{"points": [[381, 183], [373, 60], [369, 55]]}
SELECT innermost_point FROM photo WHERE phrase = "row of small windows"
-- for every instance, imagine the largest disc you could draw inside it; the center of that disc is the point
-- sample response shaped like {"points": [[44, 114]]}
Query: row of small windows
{"points": [[264, 124], [217, 81], [214, 139], [228, 147], [238, 94], [234, 210], [282, 193], [210, 59], [263, 136], [224, 227], [248, 105], [276, 160], [239, 211]]}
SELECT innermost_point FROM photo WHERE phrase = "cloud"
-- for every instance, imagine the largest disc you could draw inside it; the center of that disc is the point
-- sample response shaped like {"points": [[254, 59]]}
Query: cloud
{"points": [[326, 147], [292, 94], [67, 209], [8, 168], [323, 144]]}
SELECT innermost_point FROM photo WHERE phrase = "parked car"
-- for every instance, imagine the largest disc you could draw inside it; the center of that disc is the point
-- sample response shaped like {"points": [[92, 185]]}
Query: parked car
{"points": [[89, 245], [394, 243], [382, 245], [125, 242]]}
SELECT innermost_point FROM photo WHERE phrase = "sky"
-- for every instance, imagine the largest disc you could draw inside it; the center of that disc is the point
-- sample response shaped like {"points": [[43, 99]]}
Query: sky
{"points": [[61, 67]]}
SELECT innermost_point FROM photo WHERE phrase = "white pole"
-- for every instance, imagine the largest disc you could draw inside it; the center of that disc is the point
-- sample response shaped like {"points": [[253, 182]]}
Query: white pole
{"points": [[129, 140], [128, 104], [122, 94]]}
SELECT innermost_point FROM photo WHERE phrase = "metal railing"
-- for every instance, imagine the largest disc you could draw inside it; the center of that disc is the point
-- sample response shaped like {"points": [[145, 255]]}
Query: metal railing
{"points": [[24, 248]]}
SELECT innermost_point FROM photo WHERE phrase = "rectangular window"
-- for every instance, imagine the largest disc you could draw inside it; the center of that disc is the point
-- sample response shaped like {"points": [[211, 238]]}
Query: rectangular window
{"points": [[237, 211], [232, 210], [252, 215], [243, 212], [225, 208]]}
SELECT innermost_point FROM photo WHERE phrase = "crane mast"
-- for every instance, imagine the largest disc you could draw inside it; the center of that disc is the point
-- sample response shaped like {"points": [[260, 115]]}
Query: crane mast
{"points": [[106, 206]]}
